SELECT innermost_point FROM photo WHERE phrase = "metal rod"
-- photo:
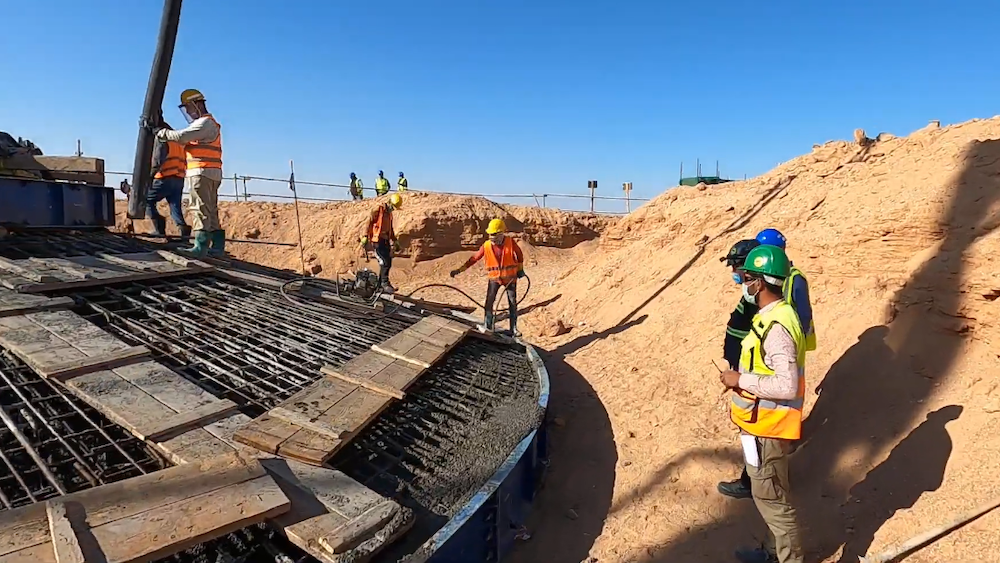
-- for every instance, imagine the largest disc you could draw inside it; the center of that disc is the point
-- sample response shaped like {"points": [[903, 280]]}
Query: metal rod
{"points": [[298, 223], [26, 444]]}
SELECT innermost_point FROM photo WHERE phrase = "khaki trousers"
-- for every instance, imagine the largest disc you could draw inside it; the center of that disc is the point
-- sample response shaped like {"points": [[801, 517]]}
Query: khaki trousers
{"points": [[769, 484], [204, 203]]}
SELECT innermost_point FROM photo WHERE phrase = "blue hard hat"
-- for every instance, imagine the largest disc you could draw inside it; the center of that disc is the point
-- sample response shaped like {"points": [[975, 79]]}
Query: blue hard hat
{"points": [[400, 174], [379, 172], [772, 237], [353, 175]]}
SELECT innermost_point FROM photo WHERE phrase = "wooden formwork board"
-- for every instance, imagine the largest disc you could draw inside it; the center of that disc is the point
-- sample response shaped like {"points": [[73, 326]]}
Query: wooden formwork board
{"points": [[35, 275], [312, 425], [191, 427], [143, 518]]}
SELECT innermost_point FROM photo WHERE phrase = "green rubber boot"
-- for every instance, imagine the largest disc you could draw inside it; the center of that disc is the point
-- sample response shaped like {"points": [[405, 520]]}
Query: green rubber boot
{"points": [[200, 244], [218, 243]]}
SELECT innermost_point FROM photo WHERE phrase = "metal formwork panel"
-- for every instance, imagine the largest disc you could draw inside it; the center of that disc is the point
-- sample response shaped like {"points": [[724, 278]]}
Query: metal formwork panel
{"points": [[45, 203]]}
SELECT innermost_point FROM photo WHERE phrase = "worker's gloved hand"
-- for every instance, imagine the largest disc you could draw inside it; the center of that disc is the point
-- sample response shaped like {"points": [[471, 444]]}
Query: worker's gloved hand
{"points": [[454, 273], [364, 241], [520, 274]]}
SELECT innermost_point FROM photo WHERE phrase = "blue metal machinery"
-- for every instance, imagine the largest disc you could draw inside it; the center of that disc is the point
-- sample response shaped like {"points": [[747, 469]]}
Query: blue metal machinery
{"points": [[43, 203]]}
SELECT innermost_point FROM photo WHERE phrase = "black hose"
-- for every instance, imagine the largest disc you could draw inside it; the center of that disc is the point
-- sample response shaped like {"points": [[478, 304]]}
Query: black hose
{"points": [[496, 304], [307, 305]]}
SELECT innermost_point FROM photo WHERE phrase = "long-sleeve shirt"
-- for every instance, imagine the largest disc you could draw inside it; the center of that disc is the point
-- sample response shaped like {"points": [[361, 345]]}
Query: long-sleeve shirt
{"points": [[781, 356], [202, 129], [740, 321]]}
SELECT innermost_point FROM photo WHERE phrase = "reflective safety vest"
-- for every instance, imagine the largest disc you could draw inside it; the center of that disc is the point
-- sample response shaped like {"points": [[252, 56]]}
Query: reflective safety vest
{"points": [[402, 185], [767, 418], [201, 154], [381, 186], [173, 166], [381, 224], [504, 269], [786, 291]]}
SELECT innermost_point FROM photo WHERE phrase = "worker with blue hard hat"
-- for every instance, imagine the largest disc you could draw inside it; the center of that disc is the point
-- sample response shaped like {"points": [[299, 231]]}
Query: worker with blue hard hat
{"points": [[381, 184], [402, 185], [795, 290], [357, 187]]}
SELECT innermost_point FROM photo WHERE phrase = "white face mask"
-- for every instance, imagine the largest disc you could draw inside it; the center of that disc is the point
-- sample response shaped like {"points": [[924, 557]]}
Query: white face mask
{"points": [[746, 294]]}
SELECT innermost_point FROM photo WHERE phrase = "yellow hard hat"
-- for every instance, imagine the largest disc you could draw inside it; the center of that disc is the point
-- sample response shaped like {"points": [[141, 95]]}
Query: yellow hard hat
{"points": [[396, 200], [191, 95], [496, 226]]}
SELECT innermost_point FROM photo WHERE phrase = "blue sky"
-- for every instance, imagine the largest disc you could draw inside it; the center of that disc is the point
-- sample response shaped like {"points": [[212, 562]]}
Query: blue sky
{"points": [[501, 97]]}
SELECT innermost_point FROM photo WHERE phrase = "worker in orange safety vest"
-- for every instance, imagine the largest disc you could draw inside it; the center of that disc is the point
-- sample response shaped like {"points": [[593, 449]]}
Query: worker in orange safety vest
{"points": [[504, 265], [382, 236], [202, 140], [767, 396], [168, 169]]}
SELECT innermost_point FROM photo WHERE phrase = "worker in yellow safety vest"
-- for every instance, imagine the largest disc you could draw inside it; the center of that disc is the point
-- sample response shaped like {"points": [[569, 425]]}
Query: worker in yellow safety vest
{"points": [[504, 266], [381, 184], [357, 187], [202, 140], [767, 397], [401, 184]]}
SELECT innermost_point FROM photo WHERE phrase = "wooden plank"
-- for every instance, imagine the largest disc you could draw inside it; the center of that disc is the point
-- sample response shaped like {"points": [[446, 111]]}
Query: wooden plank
{"points": [[309, 447], [22, 269], [74, 368], [303, 421], [12, 303], [365, 365], [76, 284], [266, 433], [184, 421], [366, 383], [398, 356], [66, 546], [354, 412], [23, 527], [79, 164], [183, 261], [442, 322], [349, 535]]}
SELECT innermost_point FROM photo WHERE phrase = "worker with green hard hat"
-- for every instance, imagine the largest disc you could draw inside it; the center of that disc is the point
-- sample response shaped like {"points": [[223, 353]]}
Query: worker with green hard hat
{"points": [[768, 391]]}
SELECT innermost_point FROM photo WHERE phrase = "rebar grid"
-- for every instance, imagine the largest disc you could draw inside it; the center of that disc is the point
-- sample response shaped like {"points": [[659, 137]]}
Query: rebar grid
{"points": [[51, 443], [238, 341], [458, 423], [66, 243]]}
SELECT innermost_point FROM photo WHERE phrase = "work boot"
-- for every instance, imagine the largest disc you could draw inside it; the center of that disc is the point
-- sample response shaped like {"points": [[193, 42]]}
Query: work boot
{"points": [[756, 555], [487, 325], [387, 288], [735, 489], [185, 231], [218, 243], [159, 226], [200, 244]]}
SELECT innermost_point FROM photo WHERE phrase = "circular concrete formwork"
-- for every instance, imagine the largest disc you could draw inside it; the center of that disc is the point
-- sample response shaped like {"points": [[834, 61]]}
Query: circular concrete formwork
{"points": [[485, 529]]}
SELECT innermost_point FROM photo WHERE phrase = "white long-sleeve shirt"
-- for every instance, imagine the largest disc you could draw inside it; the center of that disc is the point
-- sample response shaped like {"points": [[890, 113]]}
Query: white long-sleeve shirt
{"points": [[781, 356], [202, 129]]}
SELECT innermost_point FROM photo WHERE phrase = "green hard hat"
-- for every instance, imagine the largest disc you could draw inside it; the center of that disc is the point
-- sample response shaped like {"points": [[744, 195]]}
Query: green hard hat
{"points": [[768, 261]]}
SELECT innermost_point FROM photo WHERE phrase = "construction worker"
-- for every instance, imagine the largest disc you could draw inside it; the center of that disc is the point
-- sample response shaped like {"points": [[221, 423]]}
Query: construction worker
{"points": [[381, 184], [504, 265], [796, 288], [168, 183], [202, 140], [383, 237], [767, 395], [401, 184], [357, 187]]}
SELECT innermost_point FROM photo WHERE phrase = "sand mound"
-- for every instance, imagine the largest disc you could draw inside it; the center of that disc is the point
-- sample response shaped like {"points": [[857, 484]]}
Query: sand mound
{"points": [[898, 238], [428, 226]]}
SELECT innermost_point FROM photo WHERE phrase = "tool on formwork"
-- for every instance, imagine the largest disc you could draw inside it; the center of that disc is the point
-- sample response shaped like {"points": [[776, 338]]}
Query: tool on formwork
{"points": [[930, 535]]}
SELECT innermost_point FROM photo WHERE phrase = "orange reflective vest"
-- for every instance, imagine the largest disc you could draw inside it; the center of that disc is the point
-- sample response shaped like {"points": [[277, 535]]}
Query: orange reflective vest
{"points": [[201, 154], [173, 166], [380, 224], [504, 269], [768, 418]]}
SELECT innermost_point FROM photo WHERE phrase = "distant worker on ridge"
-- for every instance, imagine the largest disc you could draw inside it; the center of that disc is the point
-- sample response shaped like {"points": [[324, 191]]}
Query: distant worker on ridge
{"points": [[766, 401], [357, 187], [401, 184], [381, 184], [168, 183], [382, 236], [202, 140], [504, 265]]}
